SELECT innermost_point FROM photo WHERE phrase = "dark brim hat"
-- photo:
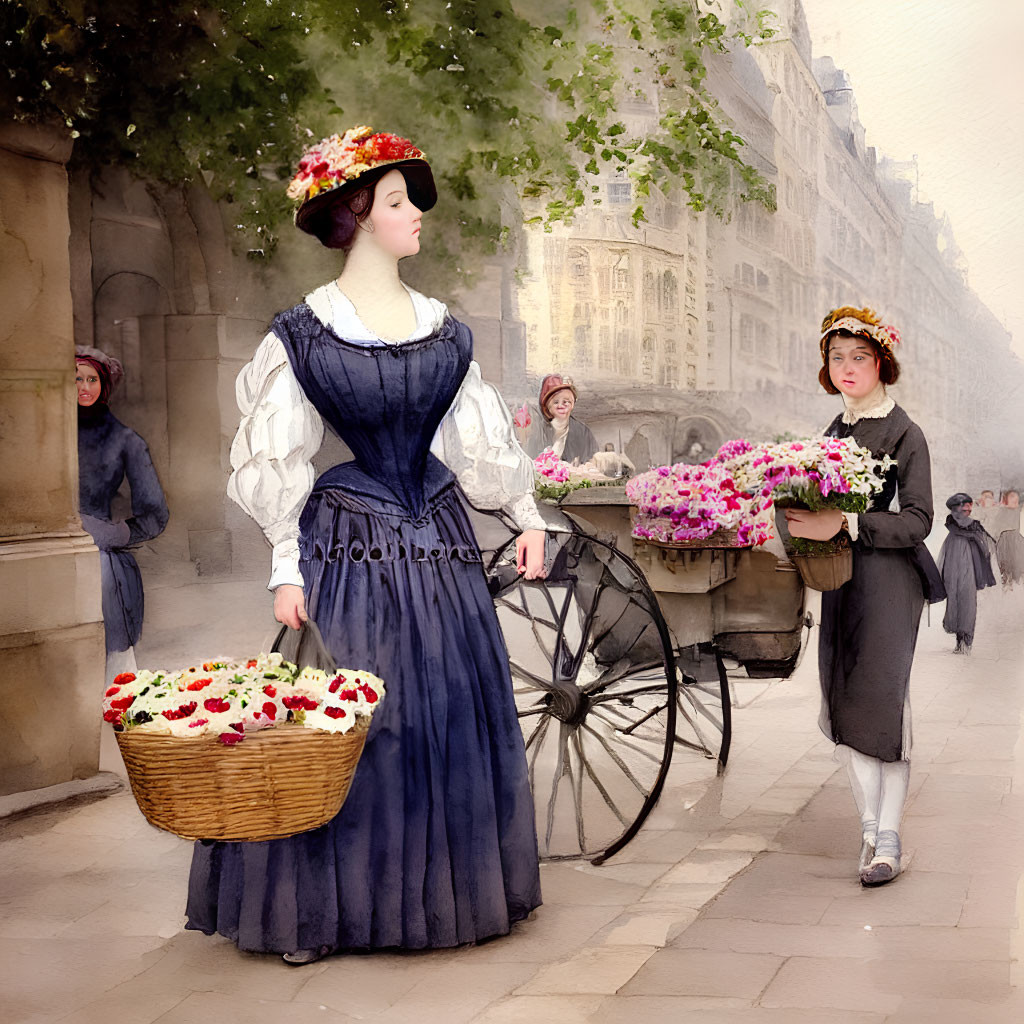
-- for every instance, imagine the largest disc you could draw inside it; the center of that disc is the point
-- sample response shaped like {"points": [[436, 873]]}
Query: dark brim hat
{"points": [[419, 180], [958, 499]]}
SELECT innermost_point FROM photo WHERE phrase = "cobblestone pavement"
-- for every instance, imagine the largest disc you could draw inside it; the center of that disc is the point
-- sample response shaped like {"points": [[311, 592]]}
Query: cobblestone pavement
{"points": [[737, 903]]}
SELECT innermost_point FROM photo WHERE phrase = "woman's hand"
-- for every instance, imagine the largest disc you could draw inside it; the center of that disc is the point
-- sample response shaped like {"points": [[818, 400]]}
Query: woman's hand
{"points": [[530, 553], [823, 525], [290, 605]]}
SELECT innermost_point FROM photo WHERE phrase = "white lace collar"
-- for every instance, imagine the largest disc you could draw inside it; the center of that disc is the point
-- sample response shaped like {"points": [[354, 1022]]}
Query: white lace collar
{"points": [[874, 406]]}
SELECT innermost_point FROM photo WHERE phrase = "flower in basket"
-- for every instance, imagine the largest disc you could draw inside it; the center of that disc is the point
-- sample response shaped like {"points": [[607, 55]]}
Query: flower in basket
{"points": [[231, 698], [521, 417], [820, 473], [685, 503]]}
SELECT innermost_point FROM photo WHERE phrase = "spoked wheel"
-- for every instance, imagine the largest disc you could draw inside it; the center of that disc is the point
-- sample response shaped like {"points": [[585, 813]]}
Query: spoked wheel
{"points": [[705, 703], [596, 688]]}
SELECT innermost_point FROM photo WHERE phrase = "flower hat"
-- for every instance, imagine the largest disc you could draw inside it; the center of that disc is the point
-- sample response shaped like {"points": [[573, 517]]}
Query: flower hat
{"points": [[338, 165], [865, 322]]}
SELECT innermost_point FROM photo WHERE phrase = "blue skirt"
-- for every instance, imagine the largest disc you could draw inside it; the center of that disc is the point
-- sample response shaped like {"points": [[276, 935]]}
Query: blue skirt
{"points": [[435, 845]]}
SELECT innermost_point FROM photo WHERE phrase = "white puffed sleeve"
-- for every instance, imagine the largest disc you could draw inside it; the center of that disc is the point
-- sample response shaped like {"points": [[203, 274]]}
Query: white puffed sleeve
{"points": [[476, 441], [272, 473]]}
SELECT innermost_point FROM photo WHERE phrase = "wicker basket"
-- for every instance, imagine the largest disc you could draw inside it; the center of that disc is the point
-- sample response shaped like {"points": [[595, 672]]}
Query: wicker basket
{"points": [[825, 572], [279, 782], [719, 539]]}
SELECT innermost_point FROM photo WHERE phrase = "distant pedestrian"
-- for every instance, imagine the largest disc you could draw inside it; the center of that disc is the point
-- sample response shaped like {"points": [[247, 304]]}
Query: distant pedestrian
{"points": [[1004, 526], [966, 565]]}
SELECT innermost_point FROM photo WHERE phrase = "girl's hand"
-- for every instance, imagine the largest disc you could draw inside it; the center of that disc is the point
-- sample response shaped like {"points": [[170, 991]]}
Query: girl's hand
{"points": [[823, 525], [530, 554], [290, 605]]}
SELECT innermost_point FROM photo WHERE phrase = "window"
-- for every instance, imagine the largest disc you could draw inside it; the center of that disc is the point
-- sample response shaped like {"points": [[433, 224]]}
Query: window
{"points": [[579, 262], [746, 333], [620, 273], [620, 191], [671, 293]]}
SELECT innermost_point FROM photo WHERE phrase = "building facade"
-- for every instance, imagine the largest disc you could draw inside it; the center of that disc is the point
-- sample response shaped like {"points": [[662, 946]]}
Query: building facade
{"points": [[691, 329]]}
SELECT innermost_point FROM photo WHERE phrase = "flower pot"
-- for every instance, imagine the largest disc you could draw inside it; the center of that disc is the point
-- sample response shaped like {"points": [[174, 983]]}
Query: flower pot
{"points": [[825, 572]]}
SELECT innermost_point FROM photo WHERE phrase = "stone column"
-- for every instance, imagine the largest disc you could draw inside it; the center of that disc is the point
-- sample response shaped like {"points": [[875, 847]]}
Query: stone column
{"points": [[51, 623]]}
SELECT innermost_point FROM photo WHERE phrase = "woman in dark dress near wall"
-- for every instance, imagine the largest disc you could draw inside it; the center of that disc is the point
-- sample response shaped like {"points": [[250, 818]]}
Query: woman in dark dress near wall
{"points": [[108, 451], [869, 625]]}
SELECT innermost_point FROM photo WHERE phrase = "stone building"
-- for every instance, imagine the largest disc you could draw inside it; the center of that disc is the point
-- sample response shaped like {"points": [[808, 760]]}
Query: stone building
{"points": [[736, 353]]}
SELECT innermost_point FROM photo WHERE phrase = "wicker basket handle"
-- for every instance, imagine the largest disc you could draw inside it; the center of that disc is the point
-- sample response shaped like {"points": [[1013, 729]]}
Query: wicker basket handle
{"points": [[310, 649]]}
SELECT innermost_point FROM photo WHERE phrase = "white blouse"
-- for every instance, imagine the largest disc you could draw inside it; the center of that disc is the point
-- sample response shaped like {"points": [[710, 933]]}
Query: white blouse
{"points": [[271, 455]]}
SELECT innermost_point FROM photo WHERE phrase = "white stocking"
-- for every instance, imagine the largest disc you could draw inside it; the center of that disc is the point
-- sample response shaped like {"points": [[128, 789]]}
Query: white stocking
{"points": [[866, 782], [895, 782]]}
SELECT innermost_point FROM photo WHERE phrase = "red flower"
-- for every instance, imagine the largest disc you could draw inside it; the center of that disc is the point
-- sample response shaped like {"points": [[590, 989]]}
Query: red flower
{"points": [[269, 690], [112, 715], [335, 712], [348, 695], [199, 683], [251, 663], [123, 703], [335, 683], [270, 710], [216, 704], [368, 693], [198, 721], [230, 738], [123, 678], [298, 701], [237, 726], [112, 691], [182, 712]]}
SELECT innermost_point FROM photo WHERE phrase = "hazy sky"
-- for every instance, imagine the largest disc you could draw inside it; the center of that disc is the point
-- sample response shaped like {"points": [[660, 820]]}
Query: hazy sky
{"points": [[945, 79]]}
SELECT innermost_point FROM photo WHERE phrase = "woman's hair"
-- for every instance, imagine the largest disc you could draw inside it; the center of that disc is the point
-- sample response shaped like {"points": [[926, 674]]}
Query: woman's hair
{"points": [[335, 224], [888, 367]]}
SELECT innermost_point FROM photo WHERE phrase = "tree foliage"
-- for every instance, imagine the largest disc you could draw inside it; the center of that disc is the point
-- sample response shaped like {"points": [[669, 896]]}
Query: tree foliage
{"points": [[511, 99]]}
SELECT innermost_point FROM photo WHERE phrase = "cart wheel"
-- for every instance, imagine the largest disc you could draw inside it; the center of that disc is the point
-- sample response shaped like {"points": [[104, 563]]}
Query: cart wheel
{"points": [[596, 689], [705, 703]]}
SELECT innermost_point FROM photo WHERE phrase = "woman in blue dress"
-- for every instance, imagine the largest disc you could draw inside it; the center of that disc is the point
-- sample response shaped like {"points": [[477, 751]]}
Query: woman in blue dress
{"points": [[435, 845], [109, 452]]}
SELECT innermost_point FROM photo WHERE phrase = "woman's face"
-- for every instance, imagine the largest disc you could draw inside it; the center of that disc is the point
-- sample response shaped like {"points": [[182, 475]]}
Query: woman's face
{"points": [[87, 383], [396, 221], [560, 404], [1012, 499], [852, 366]]}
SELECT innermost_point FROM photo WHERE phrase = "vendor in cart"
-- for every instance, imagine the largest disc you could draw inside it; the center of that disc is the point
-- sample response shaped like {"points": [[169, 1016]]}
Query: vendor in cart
{"points": [[560, 431]]}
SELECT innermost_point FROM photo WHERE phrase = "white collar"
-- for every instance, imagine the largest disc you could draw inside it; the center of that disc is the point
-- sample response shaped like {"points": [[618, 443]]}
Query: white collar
{"points": [[873, 406], [332, 307]]}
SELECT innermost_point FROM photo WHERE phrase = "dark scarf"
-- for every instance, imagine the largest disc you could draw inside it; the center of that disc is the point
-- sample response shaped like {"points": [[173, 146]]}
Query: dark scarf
{"points": [[960, 524]]}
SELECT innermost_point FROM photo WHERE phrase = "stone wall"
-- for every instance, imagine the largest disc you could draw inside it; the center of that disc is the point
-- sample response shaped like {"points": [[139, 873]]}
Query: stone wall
{"points": [[51, 628]]}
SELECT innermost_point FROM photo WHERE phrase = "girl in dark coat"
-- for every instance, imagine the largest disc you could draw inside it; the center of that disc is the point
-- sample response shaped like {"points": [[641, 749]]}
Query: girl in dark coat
{"points": [[869, 625], [966, 564], [108, 451]]}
